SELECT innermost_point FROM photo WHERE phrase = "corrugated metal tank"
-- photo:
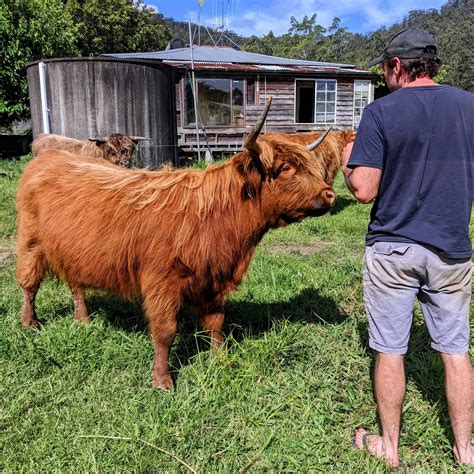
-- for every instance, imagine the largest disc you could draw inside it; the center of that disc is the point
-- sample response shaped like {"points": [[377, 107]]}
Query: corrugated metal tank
{"points": [[91, 97]]}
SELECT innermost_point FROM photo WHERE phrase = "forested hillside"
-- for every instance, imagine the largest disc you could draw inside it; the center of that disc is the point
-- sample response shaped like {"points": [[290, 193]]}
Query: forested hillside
{"points": [[41, 29]]}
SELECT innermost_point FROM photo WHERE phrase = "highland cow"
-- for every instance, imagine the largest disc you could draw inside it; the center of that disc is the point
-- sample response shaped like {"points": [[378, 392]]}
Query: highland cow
{"points": [[330, 150], [171, 237], [116, 148]]}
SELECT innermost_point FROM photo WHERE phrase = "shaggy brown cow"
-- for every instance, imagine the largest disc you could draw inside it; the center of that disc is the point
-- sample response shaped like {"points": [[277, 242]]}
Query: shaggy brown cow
{"points": [[330, 150], [173, 237], [116, 148]]}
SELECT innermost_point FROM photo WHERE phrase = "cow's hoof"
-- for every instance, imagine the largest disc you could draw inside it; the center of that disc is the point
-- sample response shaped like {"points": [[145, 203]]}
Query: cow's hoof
{"points": [[164, 381], [29, 323], [82, 319]]}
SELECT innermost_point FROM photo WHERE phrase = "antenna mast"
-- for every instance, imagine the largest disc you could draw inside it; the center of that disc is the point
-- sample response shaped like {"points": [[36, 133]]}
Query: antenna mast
{"points": [[201, 4]]}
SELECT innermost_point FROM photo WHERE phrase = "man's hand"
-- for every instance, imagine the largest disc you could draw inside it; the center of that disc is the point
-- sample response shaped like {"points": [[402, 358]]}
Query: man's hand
{"points": [[361, 181]]}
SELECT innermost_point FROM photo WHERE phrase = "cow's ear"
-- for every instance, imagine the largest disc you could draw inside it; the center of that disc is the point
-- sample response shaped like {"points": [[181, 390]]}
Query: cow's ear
{"points": [[252, 173], [98, 140]]}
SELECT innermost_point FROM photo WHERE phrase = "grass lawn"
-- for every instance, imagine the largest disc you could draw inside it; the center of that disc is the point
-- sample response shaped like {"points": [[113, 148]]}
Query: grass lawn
{"points": [[284, 395]]}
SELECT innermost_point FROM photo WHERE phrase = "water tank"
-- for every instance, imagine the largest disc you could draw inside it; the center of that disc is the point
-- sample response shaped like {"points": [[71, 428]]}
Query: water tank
{"points": [[90, 97], [176, 43]]}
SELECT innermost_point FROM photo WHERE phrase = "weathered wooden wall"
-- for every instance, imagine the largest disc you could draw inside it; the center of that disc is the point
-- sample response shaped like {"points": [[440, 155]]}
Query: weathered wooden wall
{"points": [[345, 103], [91, 97]]}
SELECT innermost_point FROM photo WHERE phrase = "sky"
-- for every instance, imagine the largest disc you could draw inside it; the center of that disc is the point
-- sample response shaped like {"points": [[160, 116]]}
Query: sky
{"points": [[258, 17]]}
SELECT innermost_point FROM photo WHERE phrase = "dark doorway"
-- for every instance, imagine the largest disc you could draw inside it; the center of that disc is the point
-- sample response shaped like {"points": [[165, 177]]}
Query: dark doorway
{"points": [[304, 102]]}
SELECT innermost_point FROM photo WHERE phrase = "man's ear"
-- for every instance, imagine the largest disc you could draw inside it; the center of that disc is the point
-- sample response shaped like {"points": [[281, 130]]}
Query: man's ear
{"points": [[397, 65]]}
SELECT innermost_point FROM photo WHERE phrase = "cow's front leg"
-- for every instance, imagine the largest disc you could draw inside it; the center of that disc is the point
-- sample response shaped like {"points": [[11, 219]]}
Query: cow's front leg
{"points": [[212, 320], [80, 309], [162, 317]]}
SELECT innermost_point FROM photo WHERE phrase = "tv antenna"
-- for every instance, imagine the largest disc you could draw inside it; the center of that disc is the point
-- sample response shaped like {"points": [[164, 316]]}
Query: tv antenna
{"points": [[221, 11]]}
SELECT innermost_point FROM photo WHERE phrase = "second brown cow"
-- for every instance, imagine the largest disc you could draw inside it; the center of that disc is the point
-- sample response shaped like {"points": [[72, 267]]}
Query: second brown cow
{"points": [[330, 150], [116, 148], [171, 237]]}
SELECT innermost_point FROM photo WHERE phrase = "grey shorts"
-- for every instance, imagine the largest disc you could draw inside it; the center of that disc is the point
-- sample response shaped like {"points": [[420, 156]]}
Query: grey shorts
{"points": [[395, 275]]}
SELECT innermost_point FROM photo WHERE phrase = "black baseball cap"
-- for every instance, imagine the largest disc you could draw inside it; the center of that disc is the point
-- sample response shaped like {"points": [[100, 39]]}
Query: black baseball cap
{"points": [[412, 43]]}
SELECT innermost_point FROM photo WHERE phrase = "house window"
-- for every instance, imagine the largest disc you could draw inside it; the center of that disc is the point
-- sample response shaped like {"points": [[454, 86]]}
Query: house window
{"points": [[326, 101], [316, 101], [361, 99], [220, 102]]}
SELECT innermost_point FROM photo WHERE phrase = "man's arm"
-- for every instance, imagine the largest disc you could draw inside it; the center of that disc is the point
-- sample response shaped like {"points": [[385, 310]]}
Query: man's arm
{"points": [[363, 182]]}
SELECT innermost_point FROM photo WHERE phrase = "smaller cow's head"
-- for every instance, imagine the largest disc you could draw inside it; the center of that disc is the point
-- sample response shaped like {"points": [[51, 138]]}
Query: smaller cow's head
{"points": [[285, 176], [118, 149]]}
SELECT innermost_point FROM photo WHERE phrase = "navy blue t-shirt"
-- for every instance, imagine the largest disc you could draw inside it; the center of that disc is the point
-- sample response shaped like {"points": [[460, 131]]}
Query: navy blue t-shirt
{"points": [[422, 138]]}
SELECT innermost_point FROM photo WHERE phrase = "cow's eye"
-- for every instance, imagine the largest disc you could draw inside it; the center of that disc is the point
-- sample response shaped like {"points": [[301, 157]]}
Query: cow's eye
{"points": [[284, 167]]}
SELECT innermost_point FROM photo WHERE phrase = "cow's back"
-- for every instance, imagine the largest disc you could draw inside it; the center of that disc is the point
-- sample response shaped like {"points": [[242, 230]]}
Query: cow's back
{"points": [[46, 141], [87, 233]]}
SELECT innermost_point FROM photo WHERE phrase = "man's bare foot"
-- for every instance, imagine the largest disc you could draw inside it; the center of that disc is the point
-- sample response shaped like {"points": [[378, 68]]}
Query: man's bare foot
{"points": [[464, 456], [375, 445]]}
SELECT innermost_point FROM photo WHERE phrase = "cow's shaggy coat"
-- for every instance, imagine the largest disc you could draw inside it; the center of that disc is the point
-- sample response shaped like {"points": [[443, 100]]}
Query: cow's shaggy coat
{"points": [[172, 237], [116, 148]]}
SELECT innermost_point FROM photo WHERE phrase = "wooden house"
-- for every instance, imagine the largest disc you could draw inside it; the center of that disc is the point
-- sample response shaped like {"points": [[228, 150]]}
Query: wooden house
{"points": [[231, 88]]}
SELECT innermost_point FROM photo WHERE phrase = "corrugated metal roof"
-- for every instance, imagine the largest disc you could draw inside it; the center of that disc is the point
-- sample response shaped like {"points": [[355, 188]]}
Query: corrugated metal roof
{"points": [[265, 68], [227, 55]]}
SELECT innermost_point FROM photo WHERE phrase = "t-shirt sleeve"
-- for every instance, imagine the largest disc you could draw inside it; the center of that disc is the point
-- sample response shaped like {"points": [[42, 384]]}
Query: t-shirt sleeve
{"points": [[368, 148]]}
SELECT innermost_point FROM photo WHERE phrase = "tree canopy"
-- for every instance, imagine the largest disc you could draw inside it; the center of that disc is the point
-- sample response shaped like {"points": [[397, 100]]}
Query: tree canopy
{"points": [[23, 38], [116, 26], [40, 29]]}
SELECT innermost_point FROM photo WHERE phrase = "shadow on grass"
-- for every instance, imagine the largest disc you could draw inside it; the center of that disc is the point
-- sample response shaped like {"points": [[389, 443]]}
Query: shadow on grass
{"points": [[423, 367], [124, 314], [244, 319], [341, 204]]}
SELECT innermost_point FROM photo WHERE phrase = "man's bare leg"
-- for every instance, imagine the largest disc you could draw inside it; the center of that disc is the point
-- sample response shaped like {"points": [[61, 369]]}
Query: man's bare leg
{"points": [[389, 378], [459, 388]]}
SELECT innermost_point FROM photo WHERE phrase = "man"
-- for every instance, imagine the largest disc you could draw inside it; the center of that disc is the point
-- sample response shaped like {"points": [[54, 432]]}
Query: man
{"points": [[414, 155]]}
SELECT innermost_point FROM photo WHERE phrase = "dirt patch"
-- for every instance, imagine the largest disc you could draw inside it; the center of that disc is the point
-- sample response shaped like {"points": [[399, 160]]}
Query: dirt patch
{"points": [[297, 249], [7, 250]]}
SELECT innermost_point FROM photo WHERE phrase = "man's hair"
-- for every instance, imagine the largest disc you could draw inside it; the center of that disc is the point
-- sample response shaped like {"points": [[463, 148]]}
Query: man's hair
{"points": [[419, 67]]}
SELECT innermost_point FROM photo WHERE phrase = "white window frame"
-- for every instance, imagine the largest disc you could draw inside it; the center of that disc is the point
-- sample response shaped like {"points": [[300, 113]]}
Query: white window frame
{"points": [[314, 122], [326, 122], [370, 99]]}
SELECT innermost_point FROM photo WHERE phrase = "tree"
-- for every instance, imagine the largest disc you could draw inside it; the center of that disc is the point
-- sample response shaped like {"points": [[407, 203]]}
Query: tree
{"points": [[304, 39], [308, 40], [116, 26], [264, 45], [29, 30], [455, 42]]}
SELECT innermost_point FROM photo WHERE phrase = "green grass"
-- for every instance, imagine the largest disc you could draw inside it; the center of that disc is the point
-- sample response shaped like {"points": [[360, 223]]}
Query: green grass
{"points": [[284, 395]]}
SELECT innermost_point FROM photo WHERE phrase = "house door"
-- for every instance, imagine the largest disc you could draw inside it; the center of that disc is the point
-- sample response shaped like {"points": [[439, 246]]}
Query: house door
{"points": [[305, 101]]}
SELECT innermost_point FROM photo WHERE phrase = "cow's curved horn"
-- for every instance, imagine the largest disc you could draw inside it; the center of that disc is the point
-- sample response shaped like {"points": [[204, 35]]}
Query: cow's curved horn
{"points": [[318, 142], [137, 139], [250, 142], [98, 139]]}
